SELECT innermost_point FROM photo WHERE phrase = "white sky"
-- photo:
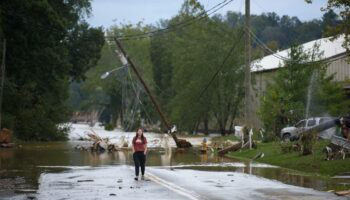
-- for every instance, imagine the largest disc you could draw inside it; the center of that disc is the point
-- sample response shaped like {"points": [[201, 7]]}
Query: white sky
{"points": [[108, 12]]}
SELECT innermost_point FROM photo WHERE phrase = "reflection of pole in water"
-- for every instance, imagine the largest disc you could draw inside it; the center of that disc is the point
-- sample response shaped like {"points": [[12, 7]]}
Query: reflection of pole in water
{"points": [[166, 158], [166, 144]]}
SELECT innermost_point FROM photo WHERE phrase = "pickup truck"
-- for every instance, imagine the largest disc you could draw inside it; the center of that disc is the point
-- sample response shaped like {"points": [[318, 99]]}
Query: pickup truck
{"points": [[293, 132]]}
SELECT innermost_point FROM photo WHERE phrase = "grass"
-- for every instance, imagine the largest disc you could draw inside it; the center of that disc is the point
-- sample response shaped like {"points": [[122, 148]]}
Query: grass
{"points": [[314, 164], [224, 138]]}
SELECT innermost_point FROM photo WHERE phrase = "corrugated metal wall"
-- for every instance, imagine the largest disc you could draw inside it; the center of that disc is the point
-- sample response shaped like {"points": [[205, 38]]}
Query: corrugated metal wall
{"points": [[340, 68]]}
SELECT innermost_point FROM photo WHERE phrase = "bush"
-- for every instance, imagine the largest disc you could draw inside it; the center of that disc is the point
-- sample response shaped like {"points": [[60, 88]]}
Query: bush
{"points": [[270, 137], [109, 127], [307, 142]]}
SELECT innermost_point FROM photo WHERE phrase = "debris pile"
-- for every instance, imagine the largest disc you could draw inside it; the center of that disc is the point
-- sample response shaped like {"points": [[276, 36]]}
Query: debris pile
{"points": [[5, 139], [100, 144], [334, 152], [244, 144], [340, 143]]}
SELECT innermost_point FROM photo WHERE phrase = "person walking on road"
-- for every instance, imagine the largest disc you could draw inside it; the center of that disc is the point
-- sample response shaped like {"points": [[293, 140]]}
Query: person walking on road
{"points": [[139, 149]]}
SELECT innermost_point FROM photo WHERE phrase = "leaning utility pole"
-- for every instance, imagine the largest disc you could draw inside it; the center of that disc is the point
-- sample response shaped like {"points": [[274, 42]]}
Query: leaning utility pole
{"points": [[2, 76], [247, 63], [179, 142]]}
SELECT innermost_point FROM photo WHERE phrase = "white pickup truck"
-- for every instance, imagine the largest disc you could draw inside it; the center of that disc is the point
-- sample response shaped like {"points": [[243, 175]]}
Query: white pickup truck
{"points": [[293, 132]]}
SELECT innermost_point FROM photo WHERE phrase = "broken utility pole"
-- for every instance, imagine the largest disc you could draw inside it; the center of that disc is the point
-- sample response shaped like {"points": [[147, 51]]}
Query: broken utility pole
{"points": [[179, 143]]}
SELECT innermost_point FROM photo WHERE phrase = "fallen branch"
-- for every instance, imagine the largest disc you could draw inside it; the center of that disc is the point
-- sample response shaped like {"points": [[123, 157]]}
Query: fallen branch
{"points": [[343, 193], [234, 147]]}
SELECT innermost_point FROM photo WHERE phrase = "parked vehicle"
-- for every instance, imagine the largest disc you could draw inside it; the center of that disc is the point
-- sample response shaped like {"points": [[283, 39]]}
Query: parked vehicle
{"points": [[293, 132]]}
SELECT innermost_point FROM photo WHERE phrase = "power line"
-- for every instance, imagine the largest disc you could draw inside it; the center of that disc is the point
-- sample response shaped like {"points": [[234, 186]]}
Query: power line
{"points": [[276, 55], [221, 66], [204, 13], [144, 108], [175, 27]]}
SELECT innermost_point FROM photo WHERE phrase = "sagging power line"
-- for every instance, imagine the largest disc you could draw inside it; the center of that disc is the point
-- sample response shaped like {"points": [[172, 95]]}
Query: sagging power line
{"points": [[177, 26]]}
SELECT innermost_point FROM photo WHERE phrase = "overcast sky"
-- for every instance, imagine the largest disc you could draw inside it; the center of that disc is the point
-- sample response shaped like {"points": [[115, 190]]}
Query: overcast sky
{"points": [[108, 12]]}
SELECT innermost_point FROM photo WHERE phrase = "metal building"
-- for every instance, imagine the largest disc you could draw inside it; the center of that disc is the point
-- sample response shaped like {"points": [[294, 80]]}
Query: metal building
{"points": [[264, 69]]}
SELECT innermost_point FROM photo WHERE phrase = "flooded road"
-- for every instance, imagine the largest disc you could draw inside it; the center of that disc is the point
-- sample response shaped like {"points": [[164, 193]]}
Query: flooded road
{"points": [[39, 170]]}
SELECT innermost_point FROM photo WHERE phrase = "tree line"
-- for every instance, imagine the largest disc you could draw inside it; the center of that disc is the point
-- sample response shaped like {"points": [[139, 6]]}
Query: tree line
{"points": [[54, 61]]}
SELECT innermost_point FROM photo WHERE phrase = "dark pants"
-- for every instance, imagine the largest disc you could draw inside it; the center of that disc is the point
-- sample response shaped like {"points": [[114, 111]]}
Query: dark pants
{"points": [[139, 160]]}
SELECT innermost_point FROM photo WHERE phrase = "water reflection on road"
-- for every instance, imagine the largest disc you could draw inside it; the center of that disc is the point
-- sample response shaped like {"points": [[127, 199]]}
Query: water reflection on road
{"points": [[20, 169]]}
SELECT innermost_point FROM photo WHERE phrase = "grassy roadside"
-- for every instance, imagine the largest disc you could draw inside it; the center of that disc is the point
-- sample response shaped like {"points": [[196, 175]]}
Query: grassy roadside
{"points": [[224, 138], [314, 164]]}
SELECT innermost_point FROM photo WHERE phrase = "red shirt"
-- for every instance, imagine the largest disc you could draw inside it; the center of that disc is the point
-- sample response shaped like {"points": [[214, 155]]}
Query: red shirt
{"points": [[138, 145]]}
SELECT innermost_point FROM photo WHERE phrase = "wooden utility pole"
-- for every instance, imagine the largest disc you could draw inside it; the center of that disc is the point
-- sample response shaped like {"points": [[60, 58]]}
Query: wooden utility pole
{"points": [[247, 62], [179, 143], [2, 76]]}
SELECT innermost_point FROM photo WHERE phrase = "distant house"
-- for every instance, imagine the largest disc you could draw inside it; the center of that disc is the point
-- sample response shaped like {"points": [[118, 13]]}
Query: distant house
{"points": [[264, 69]]}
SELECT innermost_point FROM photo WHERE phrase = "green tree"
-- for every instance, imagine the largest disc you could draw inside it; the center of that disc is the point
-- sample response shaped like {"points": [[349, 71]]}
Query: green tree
{"points": [[342, 8], [286, 96], [198, 53], [120, 95], [162, 68], [48, 46]]}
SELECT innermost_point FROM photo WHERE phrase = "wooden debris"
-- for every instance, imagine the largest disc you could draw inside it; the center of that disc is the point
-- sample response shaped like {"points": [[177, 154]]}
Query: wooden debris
{"points": [[94, 137], [334, 152], [343, 193], [10, 145], [99, 144], [183, 144], [234, 147], [5, 135], [245, 146]]}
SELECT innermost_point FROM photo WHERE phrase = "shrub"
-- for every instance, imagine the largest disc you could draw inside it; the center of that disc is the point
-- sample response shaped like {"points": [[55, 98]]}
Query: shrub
{"points": [[109, 127], [307, 142]]}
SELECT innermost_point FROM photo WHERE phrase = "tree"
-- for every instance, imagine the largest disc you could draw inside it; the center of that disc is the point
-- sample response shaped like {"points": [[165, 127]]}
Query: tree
{"points": [[309, 31], [162, 68], [343, 27], [300, 81], [120, 95], [329, 19], [49, 45], [198, 53]]}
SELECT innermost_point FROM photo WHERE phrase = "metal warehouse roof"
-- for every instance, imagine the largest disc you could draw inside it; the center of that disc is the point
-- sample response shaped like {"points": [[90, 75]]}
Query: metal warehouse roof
{"points": [[329, 49]]}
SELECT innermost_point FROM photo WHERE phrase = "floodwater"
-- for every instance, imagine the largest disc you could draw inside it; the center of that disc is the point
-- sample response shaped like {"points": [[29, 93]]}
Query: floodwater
{"points": [[21, 169]]}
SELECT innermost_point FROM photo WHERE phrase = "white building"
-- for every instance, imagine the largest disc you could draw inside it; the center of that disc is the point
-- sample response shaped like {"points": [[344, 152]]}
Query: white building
{"points": [[264, 69]]}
